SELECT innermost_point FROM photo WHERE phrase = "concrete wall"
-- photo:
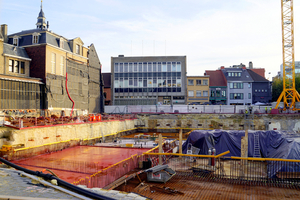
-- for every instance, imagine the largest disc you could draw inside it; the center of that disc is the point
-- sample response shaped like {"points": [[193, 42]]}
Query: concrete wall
{"points": [[33, 137], [222, 121]]}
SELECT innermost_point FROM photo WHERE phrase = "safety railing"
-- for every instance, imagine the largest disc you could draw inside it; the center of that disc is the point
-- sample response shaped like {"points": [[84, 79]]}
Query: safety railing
{"points": [[108, 175], [235, 170]]}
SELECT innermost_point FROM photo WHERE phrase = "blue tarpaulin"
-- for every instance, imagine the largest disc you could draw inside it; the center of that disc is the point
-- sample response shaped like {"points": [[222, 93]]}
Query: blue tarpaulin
{"points": [[273, 144]]}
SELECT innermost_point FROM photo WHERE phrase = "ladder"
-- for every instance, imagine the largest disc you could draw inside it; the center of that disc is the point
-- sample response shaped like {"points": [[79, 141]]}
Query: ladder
{"points": [[256, 153]]}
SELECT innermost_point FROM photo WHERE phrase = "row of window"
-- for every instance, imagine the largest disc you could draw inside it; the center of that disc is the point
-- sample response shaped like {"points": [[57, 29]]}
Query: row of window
{"points": [[261, 90], [239, 96], [61, 64], [198, 82], [234, 74], [148, 74], [199, 93], [146, 82], [16, 66], [121, 90], [218, 93], [148, 67]]}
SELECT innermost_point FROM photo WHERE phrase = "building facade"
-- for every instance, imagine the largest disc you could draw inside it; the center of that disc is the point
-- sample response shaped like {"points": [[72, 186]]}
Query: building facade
{"points": [[217, 87], [148, 80], [107, 88], [18, 91], [197, 90], [70, 71], [261, 88], [239, 85]]}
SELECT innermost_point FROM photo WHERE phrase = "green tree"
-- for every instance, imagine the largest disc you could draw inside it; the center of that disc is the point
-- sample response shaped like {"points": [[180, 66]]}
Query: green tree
{"points": [[277, 86]]}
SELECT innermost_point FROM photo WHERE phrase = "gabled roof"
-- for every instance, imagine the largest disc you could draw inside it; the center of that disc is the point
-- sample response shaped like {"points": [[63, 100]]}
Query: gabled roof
{"points": [[245, 77], [12, 50], [259, 71], [216, 78], [256, 77], [107, 79]]}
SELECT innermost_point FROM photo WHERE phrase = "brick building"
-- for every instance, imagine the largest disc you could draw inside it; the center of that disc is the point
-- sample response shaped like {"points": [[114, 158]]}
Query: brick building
{"points": [[70, 71]]}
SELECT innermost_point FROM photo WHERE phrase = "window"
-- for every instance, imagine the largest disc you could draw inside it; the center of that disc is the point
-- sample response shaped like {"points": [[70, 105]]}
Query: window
{"points": [[190, 82], [205, 82], [62, 66], [249, 95], [191, 93], [205, 93], [61, 43], [15, 41], [198, 82], [22, 71], [236, 85], [234, 74], [35, 38], [10, 68], [77, 49], [255, 90], [236, 96], [198, 93], [223, 93], [262, 90], [16, 66], [116, 67], [266, 90], [249, 85], [53, 64]]}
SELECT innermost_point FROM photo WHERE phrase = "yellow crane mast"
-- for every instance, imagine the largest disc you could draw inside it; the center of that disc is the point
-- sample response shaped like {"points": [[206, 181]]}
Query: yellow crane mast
{"points": [[289, 93]]}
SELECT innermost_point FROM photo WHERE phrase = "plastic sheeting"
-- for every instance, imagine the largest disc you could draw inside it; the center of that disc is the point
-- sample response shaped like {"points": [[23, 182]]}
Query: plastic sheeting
{"points": [[273, 144]]}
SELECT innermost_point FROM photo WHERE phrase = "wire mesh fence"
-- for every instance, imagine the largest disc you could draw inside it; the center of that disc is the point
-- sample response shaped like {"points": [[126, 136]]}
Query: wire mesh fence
{"points": [[235, 170], [225, 109]]}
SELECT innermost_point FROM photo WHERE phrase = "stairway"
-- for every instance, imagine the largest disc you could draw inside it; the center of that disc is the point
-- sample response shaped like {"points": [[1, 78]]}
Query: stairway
{"points": [[256, 153]]}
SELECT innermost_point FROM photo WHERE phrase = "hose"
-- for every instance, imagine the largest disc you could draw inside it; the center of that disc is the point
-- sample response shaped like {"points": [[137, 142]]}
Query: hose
{"points": [[59, 181], [69, 94]]}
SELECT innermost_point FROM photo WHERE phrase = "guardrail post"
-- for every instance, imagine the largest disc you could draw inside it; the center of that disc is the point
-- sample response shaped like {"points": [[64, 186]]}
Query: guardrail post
{"points": [[160, 148], [180, 141]]}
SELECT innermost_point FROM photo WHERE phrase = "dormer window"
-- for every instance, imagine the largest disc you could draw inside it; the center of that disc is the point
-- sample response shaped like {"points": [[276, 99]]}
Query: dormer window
{"points": [[61, 43], [77, 49], [35, 38], [16, 41]]}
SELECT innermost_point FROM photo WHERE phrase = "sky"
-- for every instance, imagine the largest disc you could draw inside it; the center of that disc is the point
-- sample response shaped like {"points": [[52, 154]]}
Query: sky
{"points": [[209, 33]]}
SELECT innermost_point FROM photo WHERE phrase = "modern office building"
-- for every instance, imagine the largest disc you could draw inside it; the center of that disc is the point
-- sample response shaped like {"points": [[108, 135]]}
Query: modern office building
{"points": [[148, 80], [197, 90]]}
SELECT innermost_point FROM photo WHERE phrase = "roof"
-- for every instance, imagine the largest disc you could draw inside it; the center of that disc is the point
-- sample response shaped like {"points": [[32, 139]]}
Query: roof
{"points": [[245, 77], [216, 78], [260, 71], [256, 77], [14, 51], [15, 185], [107, 79], [44, 37]]}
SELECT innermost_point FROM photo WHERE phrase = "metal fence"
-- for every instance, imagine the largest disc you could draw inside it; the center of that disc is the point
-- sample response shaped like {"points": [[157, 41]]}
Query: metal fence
{"points": [[226, 109], [235, 170]]}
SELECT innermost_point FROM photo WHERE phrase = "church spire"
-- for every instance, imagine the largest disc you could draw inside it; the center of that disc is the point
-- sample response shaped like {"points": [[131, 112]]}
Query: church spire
{"points": [[41, 20]]}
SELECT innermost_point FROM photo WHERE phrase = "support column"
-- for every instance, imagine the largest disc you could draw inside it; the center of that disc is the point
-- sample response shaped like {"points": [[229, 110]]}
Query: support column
{"points": [[180, 141], [244, 153], [160, 148]]}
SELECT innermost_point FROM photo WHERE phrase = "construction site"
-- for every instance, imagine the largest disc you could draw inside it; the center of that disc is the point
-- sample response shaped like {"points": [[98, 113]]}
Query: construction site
{"points": [[159, 152]]}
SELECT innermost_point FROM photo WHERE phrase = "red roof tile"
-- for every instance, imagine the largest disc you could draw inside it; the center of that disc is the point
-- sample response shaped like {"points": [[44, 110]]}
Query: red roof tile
{"points": [[216, 78]]}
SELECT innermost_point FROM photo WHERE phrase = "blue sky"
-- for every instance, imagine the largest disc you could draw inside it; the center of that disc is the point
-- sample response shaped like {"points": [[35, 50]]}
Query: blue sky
{"points": [[210, 33]]}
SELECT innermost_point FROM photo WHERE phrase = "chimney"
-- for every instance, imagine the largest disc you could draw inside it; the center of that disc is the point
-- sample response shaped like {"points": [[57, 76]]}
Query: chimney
{"points": [[222, 67], [250, 65], [4, 32]]}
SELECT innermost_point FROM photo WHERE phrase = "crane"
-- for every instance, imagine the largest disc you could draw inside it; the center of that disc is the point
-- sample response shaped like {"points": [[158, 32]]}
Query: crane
{"points": [[289, 93]]}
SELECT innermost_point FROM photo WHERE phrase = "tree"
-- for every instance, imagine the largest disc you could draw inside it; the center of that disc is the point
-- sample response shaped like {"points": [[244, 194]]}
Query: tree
{"points": [[277, 86]]}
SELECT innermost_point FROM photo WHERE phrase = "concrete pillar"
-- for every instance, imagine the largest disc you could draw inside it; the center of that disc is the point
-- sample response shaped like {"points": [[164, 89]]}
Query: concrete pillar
{"points": [[180, 141], [244, 153], [160, 148]]}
